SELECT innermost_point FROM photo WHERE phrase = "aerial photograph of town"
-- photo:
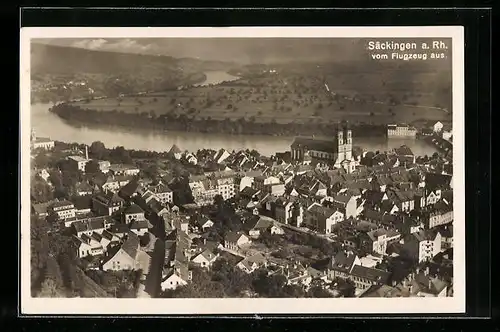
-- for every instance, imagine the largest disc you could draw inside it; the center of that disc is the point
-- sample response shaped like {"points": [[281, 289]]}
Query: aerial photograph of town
{"points": [[240, 168]]}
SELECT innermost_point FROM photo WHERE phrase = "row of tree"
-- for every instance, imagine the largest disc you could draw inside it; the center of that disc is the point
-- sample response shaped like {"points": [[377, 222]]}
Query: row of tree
{"points": [[183, 122]]}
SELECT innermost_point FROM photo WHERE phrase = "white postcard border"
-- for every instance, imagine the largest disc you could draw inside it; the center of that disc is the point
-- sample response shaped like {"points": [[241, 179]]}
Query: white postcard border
{"points": [[97, 306]]}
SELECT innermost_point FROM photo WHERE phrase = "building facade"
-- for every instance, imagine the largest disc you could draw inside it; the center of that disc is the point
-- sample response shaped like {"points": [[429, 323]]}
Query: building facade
{"points": [[401, 130]]}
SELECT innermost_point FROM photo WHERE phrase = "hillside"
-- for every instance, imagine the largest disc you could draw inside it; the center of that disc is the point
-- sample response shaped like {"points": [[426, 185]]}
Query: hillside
{"points": [[65, 73]]}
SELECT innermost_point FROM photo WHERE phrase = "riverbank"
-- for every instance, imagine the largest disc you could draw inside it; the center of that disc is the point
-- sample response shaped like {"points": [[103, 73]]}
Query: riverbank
{"points": [[67, 92]]}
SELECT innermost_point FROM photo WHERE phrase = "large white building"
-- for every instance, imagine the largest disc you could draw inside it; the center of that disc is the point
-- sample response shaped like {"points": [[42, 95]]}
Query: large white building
{"points": [[79, 161], [401, 130], [205, 187]]}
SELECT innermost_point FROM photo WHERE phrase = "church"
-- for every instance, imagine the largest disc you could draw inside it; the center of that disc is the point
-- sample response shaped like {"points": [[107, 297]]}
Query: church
{"points": [[337, 151], [41, 142]]}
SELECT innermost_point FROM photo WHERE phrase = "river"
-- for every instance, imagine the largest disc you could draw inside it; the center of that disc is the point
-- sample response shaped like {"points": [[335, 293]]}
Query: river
{"points": [[47, 124]]}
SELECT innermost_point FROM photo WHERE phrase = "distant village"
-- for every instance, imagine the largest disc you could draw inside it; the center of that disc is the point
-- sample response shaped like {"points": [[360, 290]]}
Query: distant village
{"points": [[325, 215]]}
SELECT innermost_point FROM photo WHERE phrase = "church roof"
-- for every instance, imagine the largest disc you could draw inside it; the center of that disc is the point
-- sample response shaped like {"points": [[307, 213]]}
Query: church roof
{"points": [[311, 143]]}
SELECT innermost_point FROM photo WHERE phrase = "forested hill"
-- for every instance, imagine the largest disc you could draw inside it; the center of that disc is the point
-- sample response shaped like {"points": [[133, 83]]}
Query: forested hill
{"points": [[50, 59]]}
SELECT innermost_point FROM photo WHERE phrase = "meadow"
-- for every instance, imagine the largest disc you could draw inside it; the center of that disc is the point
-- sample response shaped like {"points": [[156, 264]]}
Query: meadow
{"points": [[298, 98]]}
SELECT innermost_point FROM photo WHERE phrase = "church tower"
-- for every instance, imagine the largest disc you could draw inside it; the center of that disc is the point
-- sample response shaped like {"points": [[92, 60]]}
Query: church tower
{"points": [[341, 146], [348, 145], [33, 135]]}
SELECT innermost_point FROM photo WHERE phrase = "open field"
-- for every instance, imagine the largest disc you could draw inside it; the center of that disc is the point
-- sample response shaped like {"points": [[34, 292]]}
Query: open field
{"points": [[290, 98]]}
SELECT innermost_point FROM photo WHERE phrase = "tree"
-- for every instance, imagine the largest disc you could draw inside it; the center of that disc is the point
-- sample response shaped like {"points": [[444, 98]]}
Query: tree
{"points": [[92, 167], [269, 286], [40, 191], [97, 149], [39, 251], [318, 291], [41, 160], [49, 288]]}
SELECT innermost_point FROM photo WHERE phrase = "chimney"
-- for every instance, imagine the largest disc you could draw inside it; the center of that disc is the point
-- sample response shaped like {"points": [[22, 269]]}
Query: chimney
{"points": [[426, 271], [86, 152]]}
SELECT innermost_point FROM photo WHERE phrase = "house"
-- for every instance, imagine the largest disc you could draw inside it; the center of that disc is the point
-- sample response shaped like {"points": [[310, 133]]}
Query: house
{"points": [[275, 189], [365, 277], [78, 162], [178, 275], [348, 266], [403, 199], [347, 203], [88, 246], [140, 227], [123, 257], [205, 187], [248, 178], [423, 245], [447, 135], [374, 241], [341, 265], [133, 213], [261, 182], [257, 225], [252, 263], [131, 189], [437, 127], [283, 210], [321, 218], [107, 203], [104, 166], [446, 237], [221, 155], [235, 241], [63, 209], [297, 274], [204, 224], [432, 196], [249, 193], [162, 192], [435, 181], [92, 225], [405, 152], [380, 182], [84, 189], [205, 259], [441, 214], [41, 209], [422, 284], [275, 229], [119, 229], [83, 204], [122, 169], [44, 174], [191, 158], [176, 268]]}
